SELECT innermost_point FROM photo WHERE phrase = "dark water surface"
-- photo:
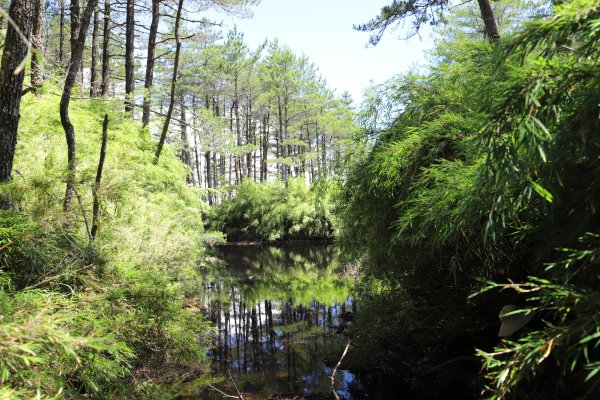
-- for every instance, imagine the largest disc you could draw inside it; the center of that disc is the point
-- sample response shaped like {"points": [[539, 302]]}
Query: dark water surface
{"points": [[280, 314]]}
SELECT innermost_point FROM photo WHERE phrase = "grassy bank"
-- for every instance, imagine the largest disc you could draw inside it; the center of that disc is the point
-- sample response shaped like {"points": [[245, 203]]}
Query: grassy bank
{"points": [[78, 317]]}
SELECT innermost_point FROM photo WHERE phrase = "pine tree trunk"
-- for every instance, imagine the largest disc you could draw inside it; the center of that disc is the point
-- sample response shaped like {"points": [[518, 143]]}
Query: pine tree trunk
{"points": [[163, 135], [11, 84], [94, 69], [61, 33], [129, 62], [75, 24], [286, 167], [150, 62], [186, 155], [105, 50], [487, 14], [196, 152], [198, 164], [265, 149], [74, 67], [280, 137], [324, 173], [37, 76], [208, 175], [249, 138]]}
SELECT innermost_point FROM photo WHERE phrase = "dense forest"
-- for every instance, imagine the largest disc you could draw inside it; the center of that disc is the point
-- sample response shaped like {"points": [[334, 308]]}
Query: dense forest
{"points": [[462, 197]]}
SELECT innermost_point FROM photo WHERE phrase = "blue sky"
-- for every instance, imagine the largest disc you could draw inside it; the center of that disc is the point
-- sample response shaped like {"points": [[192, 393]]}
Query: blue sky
{"points": [[322, 30]]}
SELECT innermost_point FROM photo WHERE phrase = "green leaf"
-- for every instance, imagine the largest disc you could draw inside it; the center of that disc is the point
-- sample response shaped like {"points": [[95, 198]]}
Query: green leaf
{"points": [[546, 195]]}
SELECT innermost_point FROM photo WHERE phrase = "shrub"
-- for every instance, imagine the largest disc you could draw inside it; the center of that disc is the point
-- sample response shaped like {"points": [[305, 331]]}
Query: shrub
{"points": [[272, 211]]}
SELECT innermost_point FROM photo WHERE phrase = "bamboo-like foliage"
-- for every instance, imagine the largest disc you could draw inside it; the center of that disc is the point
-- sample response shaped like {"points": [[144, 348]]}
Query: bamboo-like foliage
{"points": [[490, 168], [542, 141]]}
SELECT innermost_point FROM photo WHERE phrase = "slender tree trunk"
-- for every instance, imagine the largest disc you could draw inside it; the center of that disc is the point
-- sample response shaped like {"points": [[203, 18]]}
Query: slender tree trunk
{"points": [[229, 179], [37, 76], [96, 207], [129, 61], [208, 176], [266, 146], [61, 33], [249, 138], [74, 66], [150, 62], [163, 135], [198, 164], [311, 170], [239, 173], [487, 14], [280, 138], [186, 155], [234, 159], [215, 173], [75, 24], [286, 167], [94, 69], [324, 158], [105, 49], [11, 84], [196, 152]]}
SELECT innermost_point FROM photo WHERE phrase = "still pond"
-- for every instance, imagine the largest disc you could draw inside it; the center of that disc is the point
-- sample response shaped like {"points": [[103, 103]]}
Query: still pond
{"points": [[281, 313]]}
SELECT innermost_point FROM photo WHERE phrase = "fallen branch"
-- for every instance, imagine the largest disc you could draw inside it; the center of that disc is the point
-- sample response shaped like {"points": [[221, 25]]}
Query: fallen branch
{"points": [[223, 393], [235, 386], [239, 395], [332, 377]]}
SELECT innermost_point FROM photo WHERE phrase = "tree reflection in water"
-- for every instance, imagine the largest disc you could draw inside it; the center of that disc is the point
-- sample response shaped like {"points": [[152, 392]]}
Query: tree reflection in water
{"points": [[277, 311]]}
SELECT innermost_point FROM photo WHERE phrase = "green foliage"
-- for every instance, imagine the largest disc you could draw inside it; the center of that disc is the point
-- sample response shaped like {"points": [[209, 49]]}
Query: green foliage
{"points": [[542, 149], [272, 211], [490, 168], [78, 317], [418, 12], [414, 183]]}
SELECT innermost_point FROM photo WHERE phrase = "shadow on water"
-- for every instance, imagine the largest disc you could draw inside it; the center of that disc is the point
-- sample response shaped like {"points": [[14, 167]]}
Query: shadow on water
{"points": [[280, 313]]}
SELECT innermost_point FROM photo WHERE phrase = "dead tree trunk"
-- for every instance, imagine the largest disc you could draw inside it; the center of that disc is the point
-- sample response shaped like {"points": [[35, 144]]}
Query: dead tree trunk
{"points": [[74, 65], [96, 207], [11, 80]]}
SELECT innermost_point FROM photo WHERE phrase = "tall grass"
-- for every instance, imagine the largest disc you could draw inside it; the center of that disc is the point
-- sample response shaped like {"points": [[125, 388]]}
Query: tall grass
{"points": [[79, 317]]}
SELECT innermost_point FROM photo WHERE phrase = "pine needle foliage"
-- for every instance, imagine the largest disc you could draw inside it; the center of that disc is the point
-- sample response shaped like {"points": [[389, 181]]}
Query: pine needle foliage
{"points": [[78, 318]]}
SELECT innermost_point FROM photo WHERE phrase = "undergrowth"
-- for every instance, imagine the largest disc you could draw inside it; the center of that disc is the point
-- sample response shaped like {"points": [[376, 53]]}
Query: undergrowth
{"points": [[271, 211], [78, 318], [489, 171]]}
